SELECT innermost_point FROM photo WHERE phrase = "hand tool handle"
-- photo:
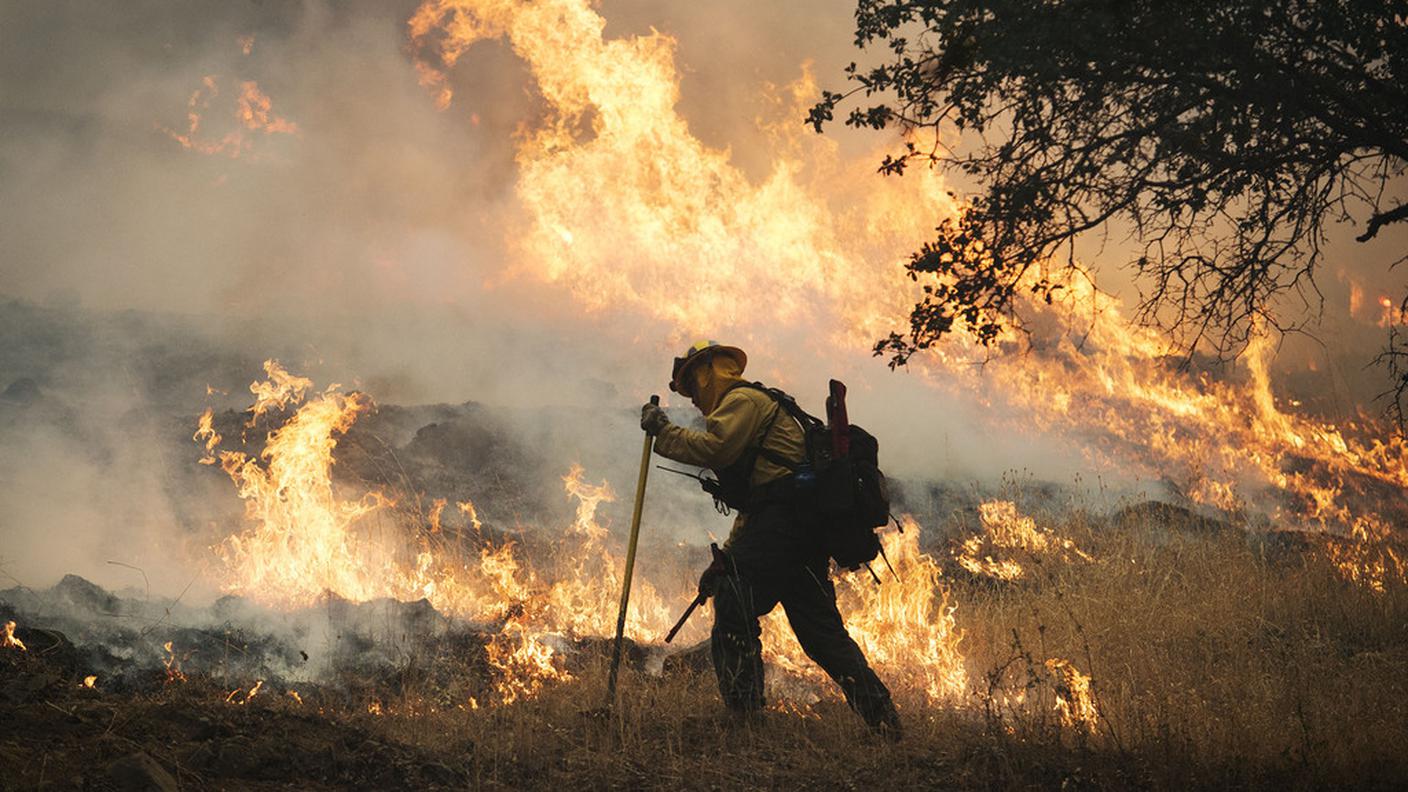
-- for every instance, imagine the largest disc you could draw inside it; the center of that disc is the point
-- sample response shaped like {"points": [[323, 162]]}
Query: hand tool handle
{"points": [[630, 563], [699, 600], [718, 558]]}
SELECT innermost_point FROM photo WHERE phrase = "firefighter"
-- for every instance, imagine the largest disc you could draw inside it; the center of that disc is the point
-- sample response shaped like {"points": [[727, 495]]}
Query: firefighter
{"points": [[771, 556]]}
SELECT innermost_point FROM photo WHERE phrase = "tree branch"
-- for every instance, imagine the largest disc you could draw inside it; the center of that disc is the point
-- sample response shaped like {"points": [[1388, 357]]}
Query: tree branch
{"points": [[1395, 215]]}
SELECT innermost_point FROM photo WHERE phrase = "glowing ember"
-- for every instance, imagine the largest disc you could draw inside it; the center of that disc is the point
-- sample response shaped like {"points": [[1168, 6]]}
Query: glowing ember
{"points": [[90, 681], [172, 665]]}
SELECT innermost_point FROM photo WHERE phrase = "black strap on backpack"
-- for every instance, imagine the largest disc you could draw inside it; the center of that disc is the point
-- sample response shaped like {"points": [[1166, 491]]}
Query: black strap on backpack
{"points": [[732, 486], [838, 486]]}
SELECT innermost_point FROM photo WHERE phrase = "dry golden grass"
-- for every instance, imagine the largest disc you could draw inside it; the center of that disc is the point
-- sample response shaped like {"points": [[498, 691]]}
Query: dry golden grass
{"points": [[1214, 657], [1215, 661]]}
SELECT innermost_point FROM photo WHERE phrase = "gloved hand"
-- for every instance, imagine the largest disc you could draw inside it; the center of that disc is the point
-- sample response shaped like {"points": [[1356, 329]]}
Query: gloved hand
{"points": [[717, 571], [653, 419]]}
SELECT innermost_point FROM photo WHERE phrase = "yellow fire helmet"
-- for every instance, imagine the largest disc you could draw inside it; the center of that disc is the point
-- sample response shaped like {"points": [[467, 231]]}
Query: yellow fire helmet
{"points": [[698, 351]]}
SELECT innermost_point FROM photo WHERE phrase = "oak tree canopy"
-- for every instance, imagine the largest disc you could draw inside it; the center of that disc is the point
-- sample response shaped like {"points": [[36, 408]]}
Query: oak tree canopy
{"points": [[1227, 135]]}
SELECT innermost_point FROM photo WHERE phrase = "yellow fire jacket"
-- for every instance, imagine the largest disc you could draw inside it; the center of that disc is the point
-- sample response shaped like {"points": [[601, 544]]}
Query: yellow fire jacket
{"points": [[731, 427]]}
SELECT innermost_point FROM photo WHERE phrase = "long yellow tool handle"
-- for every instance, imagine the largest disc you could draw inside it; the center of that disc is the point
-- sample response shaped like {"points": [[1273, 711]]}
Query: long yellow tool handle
{"points": [[630, 563]]}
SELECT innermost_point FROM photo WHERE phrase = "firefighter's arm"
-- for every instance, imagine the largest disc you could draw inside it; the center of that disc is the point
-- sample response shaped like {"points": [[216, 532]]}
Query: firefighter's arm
{"points": [[727, 431]]}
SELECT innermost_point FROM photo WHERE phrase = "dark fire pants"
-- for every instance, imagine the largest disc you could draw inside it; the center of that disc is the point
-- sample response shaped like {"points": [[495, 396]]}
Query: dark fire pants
{"points": [[770, 567]]}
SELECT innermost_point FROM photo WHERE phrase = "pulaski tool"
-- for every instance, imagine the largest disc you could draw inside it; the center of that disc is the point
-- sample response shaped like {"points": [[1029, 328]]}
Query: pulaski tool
{"points": [[703, 597], [630, 563]]}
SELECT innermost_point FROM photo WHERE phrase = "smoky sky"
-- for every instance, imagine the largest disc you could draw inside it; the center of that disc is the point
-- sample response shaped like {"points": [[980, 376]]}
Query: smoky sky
{"points": [[99, 201]]}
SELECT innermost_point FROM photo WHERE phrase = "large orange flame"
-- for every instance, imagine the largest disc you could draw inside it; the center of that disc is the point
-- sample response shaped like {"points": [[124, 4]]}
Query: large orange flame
{"points": [[814, 251], [615, 168]]}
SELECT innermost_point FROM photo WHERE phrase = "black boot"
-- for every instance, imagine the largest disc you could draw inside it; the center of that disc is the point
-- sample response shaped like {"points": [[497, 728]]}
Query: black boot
{"points": [[887, 725]]}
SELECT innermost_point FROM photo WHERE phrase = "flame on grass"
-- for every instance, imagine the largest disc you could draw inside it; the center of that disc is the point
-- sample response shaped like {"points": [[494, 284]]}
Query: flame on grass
{"points": [[1368, 559], [904, 626], [437, 508], [206, 434], [172, 663], [304, 539], [298, 522], [1075, 701], [9, 641], [467, 509], [235, 696], [524, 662], [301, 545], [1005, 531]]}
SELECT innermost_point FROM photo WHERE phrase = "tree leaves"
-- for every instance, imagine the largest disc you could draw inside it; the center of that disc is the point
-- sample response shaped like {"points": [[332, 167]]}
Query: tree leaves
{"points": [[1225, 133]]}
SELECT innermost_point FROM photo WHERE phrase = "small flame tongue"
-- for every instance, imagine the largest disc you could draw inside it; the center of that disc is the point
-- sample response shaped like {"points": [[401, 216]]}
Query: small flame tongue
{"points": [[9, 641]]}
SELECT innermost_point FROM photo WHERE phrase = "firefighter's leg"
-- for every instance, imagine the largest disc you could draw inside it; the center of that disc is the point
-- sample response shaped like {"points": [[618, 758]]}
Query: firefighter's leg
{"points": [[735, 645], [810, 603]]}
